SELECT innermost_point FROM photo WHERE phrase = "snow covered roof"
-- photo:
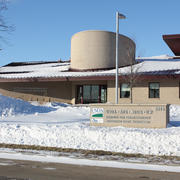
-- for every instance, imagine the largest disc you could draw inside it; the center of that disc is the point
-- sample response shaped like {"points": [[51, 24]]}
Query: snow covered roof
{"points": [[163, 57], [62, 69]]}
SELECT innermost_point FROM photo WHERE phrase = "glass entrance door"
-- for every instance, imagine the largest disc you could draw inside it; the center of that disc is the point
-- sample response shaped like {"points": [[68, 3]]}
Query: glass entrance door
{"points": [[91, 94]]}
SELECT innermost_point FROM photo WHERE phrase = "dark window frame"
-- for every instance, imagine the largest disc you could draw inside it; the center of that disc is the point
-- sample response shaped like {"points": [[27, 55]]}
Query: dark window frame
{"points": [[121, 94], [154, 93], [79, 94], [81, 100]]}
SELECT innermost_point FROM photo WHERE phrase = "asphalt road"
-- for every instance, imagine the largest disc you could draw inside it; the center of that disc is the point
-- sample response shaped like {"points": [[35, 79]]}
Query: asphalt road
{"points": [[28, 170]]}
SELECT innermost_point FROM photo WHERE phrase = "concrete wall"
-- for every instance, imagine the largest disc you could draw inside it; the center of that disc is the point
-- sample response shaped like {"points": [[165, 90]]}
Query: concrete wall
{"points": [[96, 50], [169, 92]]}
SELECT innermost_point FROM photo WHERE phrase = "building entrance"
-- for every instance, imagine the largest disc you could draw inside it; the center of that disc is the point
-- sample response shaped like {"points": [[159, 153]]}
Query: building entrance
{"points": [[91, 94]]}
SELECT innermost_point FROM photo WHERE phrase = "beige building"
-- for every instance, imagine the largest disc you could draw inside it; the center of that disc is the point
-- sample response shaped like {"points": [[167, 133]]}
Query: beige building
{"points": [[90, 75], [44, 82]]}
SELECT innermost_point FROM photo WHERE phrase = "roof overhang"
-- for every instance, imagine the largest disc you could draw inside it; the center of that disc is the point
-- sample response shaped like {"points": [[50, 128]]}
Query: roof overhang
{"points": [[85, 78], [38, 79], [173, 41]]}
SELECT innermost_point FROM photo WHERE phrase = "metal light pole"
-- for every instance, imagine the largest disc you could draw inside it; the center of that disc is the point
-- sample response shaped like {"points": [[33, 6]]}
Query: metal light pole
{"points": [[118, 16]]}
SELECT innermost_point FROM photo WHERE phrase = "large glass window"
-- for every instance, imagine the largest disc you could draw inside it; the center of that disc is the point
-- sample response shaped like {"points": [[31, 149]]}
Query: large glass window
{"points": [[91, 94], [154, 90], [125, 90]]}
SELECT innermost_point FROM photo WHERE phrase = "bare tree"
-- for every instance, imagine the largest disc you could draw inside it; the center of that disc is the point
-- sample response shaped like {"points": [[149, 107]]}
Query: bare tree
{"points": [[131, 73], [4, 26]]}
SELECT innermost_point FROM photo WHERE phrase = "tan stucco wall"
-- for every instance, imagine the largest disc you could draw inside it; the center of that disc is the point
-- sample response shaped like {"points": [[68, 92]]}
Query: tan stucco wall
{"points": [[66, 91], [169, 92], [97, 50], [56, 91]]}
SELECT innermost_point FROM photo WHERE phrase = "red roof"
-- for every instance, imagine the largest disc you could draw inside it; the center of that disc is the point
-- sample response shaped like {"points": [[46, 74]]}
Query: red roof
{"points": [[173, 41]]}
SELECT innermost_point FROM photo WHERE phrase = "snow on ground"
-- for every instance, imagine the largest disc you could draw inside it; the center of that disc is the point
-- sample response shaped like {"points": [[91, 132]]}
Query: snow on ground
{"points": [[11, 107], [66, 126]]}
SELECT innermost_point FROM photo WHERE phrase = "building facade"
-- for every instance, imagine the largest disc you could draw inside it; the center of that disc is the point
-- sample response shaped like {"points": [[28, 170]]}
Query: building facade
{"points": [[90, 75], [94, 87]]}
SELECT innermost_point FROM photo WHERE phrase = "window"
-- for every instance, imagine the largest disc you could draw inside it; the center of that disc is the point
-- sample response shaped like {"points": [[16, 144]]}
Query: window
{"points": [[91, 94], [103, 93], [79, 97], [125, 90], [154, 90]]}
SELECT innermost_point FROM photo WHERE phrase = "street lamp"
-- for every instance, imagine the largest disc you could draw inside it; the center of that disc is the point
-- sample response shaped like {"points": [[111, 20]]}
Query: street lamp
{"points": [[118, 16]]}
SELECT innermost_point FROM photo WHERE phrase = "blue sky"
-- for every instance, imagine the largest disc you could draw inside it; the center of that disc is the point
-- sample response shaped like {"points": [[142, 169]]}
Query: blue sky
{"points": [[43, 28]]}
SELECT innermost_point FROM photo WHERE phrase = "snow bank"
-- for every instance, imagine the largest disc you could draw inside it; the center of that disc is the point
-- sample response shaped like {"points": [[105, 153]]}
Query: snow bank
{"points": [[66, 126], [10, 107]]}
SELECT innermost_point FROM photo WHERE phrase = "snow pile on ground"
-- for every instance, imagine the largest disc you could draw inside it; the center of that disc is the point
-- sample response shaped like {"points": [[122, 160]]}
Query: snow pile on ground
{"points": [[67, 126], [11, 107]]}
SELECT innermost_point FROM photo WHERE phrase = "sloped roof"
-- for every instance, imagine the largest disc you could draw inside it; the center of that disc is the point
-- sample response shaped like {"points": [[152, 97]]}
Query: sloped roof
{"points": [[62, 70]]}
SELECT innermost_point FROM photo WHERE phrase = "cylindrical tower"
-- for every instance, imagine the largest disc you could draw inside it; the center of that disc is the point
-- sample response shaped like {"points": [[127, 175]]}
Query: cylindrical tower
{"points": [[96, 50]]}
